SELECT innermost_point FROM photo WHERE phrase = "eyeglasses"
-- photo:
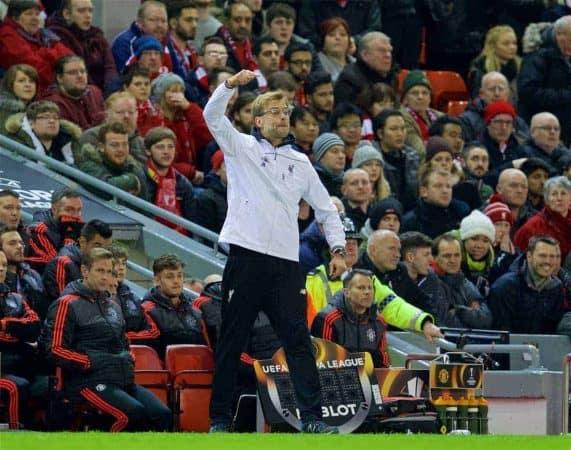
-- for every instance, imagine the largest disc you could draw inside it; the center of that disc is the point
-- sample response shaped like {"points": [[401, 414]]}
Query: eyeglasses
{"points": [[349, 126], [277, 111], [216, 54], [46, 118], [548, 128], [301, 62], [75, 72]]}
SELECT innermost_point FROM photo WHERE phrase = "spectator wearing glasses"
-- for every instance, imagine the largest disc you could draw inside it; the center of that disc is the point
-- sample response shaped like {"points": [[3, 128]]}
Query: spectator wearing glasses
{"points": [[299, 63]]}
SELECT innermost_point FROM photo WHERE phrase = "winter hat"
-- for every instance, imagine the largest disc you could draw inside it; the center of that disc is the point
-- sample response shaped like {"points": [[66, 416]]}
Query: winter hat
{"points": [[323, 143], [163, 82], [389, 205], [477, 223], [415, 78], [146, 42], [436, 144], [217, 159], [498, 211], [17, 7], [365, 152], [499, 107]]}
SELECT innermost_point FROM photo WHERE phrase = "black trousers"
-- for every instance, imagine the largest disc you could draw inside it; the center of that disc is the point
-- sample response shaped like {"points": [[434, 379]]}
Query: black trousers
{"points": [[133, 408], [254, 282]]}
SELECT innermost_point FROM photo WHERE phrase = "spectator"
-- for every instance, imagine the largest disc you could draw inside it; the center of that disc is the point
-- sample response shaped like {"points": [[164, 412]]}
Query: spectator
{"points": [[374, 65], [437, 212], [530, 299], [66, 267], [512, 189], [42, 130], [78, 101], [319, 95], [24, 41], [362, 18], [494, 88], [151, 20], [553, 220], [182, 21], [18, 89], [463, 306], [370, 159], [212, 55], [537, 173], [185, 120], [169, 310], [216, 77], [543, 80], [284, 82], [267, 57], [346, 122], [299, 63], [137, 82], [207, 24], [74, 25], [237, 36], [209, 207], [11, 210], [357, 194], [53, 228], [305, 129], [418, 116], [401, 161], [450, 129], [336, 46], [111, 162], [476, 164], [241, 113], [499, 54], [19, 328], [21, 278], [504, 249], [402, 21], [373, 100], [150, 54], [545, 141], [85, 336], [119, 107], [167, 188], [329, 162]]}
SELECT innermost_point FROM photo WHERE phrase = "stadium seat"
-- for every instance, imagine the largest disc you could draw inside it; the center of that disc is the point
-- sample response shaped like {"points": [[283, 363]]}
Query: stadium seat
{"points": [[191, 368], [446, 86], [150, 373], [400, 79], [456, 107]]}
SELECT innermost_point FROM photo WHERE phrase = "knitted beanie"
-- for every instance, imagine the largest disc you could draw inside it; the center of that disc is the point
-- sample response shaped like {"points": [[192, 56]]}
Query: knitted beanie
{"points": [[498, 211], [477, 223], [437, 144], [366, 152], [380, 209], [146, 42], [499, 107], [323, 143], [163, 82], [415, 78]]}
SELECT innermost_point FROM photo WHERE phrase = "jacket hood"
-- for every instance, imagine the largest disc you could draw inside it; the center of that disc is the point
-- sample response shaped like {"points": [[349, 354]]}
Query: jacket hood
{"points": [[72, 251], [340, 302], [44, 215], [213, 290], [288, 140], [155, 295], [10, 103], [14, 125]]}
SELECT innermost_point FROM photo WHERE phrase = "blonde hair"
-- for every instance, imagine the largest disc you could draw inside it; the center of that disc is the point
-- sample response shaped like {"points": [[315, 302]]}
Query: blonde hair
{"points": [[381, 189], [491, 61], [261, 102], [110, 101]]}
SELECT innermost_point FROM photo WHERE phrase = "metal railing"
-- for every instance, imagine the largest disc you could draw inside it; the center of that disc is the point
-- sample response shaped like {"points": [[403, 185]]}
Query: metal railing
{"points": [[116, 193], [565, 396]]}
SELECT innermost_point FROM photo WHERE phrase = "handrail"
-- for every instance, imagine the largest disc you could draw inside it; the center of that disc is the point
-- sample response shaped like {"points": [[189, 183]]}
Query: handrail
{"points": [[116, 193], [497, 348], [565, 396]]}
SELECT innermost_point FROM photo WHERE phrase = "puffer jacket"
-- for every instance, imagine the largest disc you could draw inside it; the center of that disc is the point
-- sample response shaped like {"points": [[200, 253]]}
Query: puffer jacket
{"points": [[27, 282], [62, 270]]}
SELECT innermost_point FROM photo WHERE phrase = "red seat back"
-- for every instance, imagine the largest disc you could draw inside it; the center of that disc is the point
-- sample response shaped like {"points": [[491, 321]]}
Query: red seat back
{"points": [[446, 86], [456, 107], [150, 373]]}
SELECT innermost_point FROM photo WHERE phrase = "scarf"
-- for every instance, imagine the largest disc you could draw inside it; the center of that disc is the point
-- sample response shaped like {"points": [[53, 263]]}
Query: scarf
{"points": [[367, 132], [300, 97], [188, 58], [262, 82], [421, 123], [242, 51], [202, 77], [165, 194]]}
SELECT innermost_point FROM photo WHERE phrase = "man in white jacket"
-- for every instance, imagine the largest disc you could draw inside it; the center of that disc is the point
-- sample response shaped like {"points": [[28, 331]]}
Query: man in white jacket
{"points": [[267, 178]]}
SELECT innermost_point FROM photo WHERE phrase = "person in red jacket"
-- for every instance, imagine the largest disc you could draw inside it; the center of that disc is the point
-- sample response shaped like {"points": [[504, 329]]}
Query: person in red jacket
{"points": [[185, 119], [23, 41]]}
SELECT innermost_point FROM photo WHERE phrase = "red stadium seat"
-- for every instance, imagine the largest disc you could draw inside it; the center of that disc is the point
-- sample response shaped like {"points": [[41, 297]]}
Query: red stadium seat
{"points": [[456, 107], [446, 86], [191, 368], [400, 80], [150, 373]]}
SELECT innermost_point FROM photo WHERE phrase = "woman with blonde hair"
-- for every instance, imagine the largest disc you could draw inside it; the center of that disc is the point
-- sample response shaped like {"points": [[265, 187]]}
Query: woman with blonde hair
{"points": [[370, 159], [499, 54]]}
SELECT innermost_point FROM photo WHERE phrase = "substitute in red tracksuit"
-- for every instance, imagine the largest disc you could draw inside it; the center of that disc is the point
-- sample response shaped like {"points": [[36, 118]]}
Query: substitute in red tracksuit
{"points": [[85, 336]]}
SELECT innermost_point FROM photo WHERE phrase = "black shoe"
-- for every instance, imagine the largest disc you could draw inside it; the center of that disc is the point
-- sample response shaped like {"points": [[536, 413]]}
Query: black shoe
{"points": [[219, 428], [318, 427]]}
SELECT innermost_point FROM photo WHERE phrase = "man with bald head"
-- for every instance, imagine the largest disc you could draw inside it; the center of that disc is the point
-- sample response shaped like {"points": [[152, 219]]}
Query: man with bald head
{"points": [[512, 189], [495, 87], [356, 190], [544, 81], [383, 259], [545, 141]]}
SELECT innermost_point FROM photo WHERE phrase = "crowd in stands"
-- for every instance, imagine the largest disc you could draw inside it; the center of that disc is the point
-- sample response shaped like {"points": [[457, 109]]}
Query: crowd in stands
{"points": [[450, 220]]}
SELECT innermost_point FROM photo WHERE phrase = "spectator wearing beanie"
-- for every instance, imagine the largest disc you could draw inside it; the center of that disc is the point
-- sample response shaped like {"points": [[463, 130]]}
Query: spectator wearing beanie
{"points": [[370, 159], [329, 161], [440, 156], [418, 116], [505, 251], [149, 53], [209, 207], [383, 215], [477, 234], [503, 148]]}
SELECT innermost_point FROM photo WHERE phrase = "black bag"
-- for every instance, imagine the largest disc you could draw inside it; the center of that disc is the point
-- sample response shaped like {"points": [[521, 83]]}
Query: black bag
{"points": [[407, 415]]}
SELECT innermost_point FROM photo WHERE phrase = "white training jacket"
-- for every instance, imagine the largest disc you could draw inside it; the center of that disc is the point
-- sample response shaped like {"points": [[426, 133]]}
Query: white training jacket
{"points": [[265, 185]]}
